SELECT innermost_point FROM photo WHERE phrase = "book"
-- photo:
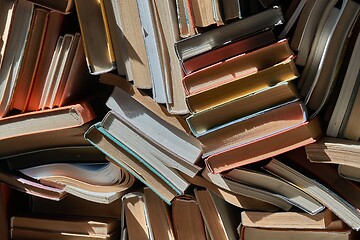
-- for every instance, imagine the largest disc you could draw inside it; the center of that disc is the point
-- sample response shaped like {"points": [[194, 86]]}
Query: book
{"points": [[349, 172], [67, 224], [72, 136], [134, 50], [31, 186], [47, 120], [62, 6], [24, 233], [144, 153], [238, 200], [5, 23], [249, 233], [323, 31], [264, 148], [246, 84], [156, 130], [62, 86], [247, 190], [92, 177], [306, 28], [325, 77], [153, 51], [338, 205], [191, 47], [52, 33], [266, 98], [350, 84], [159, 216], [93, 24], [327, 174], [135, 218], [31, 59], [168, 32], [231, 9], [229, 50], [349, 126], [334, 150], [65, 154], [154, 152], [187, 219], [122, 158], [15, 49], [206, 13], [75, 206], [290, 21], [287, 220], [267, 182], [251, 128], [143, 99], [186, 21], [4, 207], [220, 217], [237, 67]]}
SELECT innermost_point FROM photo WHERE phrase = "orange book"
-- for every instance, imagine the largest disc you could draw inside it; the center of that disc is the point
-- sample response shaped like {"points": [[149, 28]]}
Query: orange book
{"points": [[263, 148], [55, 21], [31, 58]]}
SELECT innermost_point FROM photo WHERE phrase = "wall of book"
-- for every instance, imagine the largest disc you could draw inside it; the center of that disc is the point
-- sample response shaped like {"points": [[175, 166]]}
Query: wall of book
{"points": [[179, 119]]}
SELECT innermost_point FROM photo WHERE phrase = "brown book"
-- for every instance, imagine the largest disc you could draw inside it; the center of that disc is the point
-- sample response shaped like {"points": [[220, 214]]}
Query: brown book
{"points": [[135, 216], [4, 211], [187, 219], [290, 220], [93, 24], [30, 234], [220, 217], [75, 206], [69, 224], [250, 233], [62, 6], [158, 215], [136, 63], [206, 13], [335, 151], [289, 139], [168, 32], [185, 15]]}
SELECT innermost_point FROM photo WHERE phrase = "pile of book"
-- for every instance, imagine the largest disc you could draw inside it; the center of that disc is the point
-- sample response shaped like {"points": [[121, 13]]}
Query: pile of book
{"points": [[181, 119]]}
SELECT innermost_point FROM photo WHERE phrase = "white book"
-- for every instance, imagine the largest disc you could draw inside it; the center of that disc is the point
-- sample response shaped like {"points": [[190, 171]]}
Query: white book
{"points": [[159, 89]]}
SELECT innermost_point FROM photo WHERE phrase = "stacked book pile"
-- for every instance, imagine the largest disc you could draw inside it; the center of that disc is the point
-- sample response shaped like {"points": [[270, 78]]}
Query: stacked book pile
{"points": [[179, 119]]}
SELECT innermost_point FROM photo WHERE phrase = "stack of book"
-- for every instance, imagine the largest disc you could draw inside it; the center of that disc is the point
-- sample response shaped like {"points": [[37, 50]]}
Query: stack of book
{"points": [[181, 119]]}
